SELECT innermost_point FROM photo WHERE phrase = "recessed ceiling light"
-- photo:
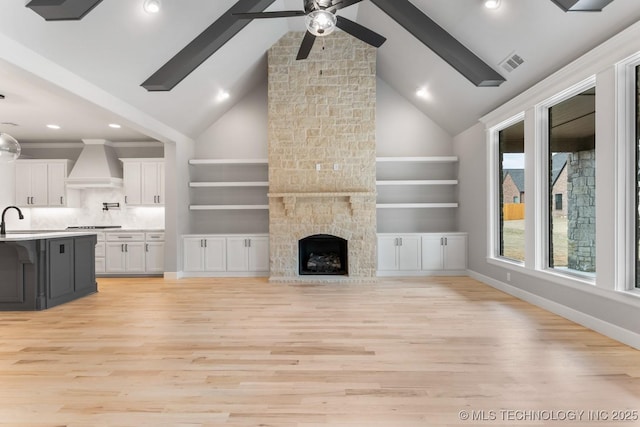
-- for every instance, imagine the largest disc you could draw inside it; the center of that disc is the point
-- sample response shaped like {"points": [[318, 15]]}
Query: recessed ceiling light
{"points": [[223, 95], [114, 125], [492, 4], [423, 93], [53, 126], [151, 6]]}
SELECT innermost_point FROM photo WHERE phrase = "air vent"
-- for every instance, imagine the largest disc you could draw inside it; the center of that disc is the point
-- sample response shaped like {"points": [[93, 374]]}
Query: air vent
{"points": [[512, 62]]}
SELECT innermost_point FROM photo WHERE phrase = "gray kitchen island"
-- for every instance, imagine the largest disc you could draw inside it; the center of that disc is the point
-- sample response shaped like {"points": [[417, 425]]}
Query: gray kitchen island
{"points": [[42, 270]]}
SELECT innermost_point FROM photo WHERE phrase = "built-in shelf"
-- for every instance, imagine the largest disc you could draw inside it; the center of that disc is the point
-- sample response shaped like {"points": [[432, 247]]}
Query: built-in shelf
{"points": [[229, 184], [228, 161], [227, 207], [436, 159], [415, 205], [419, 182]]}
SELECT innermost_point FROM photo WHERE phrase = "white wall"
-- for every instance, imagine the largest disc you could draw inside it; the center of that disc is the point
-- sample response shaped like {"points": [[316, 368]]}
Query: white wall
{"points": [[404, 131], [598, 306], [241, 132]]}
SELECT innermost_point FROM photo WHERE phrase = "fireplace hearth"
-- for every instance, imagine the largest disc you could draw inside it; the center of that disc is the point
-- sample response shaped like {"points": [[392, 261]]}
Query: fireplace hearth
{"points": [[323, 254]]}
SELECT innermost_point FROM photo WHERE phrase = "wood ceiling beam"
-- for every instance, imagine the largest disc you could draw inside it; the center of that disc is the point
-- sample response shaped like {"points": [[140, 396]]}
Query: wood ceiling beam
{"points": [[62, 10], [582, 5], [203, 46], [440, 42]]}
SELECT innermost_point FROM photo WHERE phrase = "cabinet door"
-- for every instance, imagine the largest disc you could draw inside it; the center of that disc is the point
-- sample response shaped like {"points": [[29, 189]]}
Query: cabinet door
{"points": [[135, 255], [150, 189], [455, 253], [237, 257], [161, 183], [258, 252], [115, 257], [409, 253], [39, 184], [193, 253], [432, 252], [23, 184], [215, 254], [57, 173], [154, 257], [131, 182], [387, 253]]}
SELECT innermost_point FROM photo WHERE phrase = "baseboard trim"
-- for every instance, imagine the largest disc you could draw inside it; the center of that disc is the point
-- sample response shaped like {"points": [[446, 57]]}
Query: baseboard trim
{"points": [[610, 330]]}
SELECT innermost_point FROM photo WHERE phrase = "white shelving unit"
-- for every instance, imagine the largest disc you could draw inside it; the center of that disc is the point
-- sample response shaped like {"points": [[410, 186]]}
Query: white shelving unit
{"points": [[221, 184]]}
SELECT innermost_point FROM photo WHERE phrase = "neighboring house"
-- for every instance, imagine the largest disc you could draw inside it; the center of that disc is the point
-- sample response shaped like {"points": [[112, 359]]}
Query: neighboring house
{"points": [[559, 184], [513, 186]]}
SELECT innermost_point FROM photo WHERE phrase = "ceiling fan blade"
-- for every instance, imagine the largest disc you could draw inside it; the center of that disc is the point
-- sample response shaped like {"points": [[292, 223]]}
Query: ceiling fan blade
{"points": [[341, 4], [262, 15], [440, 42], [305, 47], [360, 32]]}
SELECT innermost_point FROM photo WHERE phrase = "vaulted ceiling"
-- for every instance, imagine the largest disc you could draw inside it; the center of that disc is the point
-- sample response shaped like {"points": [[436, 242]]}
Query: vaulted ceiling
{"points": [[87, 73]]}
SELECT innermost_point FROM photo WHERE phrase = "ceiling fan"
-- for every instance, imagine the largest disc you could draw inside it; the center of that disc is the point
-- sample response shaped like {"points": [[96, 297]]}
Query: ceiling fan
{"points": [[321, 20]]}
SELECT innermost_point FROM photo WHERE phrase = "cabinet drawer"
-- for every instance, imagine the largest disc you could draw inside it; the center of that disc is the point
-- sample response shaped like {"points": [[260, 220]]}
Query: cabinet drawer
{"points": [[99, 249], [152, 237], [125, 237]]}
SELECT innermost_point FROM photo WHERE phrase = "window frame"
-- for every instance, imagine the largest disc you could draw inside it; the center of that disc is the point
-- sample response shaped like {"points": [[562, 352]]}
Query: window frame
{"points": [[625, 166], [542, 198], [495, 180]]}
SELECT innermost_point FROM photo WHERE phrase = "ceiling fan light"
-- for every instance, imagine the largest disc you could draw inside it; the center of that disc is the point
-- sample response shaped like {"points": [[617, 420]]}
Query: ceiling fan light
{"points": [[492, 4], [151, 6], [320, 22], [9, 148]]}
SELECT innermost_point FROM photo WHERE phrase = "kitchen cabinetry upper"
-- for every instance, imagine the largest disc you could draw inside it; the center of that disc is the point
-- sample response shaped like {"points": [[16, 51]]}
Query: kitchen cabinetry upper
{"points": [[41, 183], [143, 181]]}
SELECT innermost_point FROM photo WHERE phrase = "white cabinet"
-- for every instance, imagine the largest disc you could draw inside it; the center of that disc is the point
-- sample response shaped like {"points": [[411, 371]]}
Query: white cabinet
{"points": [[130, 253], [248, 253], [204, 253], [226, 255], [399, 252], [100, 253], [154, 252], [143, 181], [41, 183], [444, 252], [124, 257], [421, 254]]}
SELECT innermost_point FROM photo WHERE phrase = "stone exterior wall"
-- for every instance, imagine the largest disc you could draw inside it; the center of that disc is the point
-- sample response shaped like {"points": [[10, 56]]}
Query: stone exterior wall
{"points": [[322, 116], [581, 214]]}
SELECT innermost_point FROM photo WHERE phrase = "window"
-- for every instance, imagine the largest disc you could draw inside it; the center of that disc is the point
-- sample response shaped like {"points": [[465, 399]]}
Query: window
{"points": [[558, 202], [510, 210], [571, 182], [637, 180]]}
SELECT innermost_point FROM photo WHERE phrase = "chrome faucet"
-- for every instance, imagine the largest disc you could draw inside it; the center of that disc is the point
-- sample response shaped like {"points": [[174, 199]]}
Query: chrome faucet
{"points": [[3, 231]]}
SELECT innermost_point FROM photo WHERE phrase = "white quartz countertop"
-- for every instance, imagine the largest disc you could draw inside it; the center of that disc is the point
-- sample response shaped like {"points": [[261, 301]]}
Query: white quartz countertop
{"points": [[20, 236]]}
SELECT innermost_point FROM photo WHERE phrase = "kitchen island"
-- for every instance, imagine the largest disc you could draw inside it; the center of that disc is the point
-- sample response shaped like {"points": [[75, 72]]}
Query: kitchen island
{"points": [[42, 270]]}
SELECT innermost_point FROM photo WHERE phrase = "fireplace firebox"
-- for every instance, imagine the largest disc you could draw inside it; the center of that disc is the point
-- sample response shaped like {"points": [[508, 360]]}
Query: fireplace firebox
{"points": [[323, 254]]}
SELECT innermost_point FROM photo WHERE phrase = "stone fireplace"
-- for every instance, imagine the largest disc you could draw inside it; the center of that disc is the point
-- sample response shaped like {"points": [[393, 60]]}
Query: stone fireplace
{"points": [[322, 153]]}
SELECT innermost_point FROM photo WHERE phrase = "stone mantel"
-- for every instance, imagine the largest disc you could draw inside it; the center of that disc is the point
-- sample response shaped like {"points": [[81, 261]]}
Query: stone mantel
{"points": [[354, 198]]}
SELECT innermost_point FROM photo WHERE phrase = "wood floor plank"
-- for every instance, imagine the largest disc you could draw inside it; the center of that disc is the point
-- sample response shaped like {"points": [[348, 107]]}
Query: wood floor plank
{"points": [[246, 352]]}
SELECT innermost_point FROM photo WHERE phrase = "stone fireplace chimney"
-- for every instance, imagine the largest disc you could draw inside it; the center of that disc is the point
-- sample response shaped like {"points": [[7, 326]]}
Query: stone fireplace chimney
{"points": [[322, 164]]}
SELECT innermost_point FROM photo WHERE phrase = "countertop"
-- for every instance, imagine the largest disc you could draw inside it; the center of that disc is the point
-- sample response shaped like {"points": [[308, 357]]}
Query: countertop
{"points": [[38, 235]]}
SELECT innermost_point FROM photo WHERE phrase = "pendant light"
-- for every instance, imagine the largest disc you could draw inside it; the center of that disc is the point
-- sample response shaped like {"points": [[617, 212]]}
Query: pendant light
{"points": [[9, 148]]}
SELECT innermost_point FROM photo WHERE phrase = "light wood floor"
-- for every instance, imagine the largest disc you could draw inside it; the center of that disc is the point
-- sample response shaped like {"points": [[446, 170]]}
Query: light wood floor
{"points": [[244, 352]]}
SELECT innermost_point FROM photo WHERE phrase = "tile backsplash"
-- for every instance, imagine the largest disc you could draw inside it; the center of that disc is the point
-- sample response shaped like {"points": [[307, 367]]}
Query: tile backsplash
{"points": [[90, 212]]}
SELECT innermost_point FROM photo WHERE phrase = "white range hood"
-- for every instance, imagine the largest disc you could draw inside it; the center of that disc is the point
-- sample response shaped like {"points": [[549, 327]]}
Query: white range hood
{"points": [[97, 167]]}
